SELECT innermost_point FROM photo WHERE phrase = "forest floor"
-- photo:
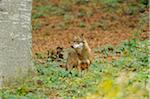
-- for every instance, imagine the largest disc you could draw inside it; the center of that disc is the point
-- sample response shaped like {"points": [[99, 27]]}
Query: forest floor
{"points": [[56, 22], [116, 30]]}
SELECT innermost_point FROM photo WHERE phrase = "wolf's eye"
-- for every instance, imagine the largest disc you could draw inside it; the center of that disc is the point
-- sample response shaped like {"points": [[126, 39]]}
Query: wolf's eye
{"points": [[81, 41]]}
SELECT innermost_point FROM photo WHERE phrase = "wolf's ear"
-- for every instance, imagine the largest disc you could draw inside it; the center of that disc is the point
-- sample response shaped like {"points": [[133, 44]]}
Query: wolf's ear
{"points": [[82, 36], [75, 37]]}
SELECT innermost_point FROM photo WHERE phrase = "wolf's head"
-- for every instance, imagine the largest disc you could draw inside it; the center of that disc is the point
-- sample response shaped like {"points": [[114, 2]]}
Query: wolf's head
{"points": [[78, 42]]}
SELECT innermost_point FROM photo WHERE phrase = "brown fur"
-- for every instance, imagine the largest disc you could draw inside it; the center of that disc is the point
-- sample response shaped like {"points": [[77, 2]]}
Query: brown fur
{"points": [[72, 60], [81, 56]]}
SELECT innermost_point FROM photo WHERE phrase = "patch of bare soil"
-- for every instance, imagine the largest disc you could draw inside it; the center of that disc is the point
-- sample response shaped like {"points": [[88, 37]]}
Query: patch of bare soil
{"points": [[102, 27]]}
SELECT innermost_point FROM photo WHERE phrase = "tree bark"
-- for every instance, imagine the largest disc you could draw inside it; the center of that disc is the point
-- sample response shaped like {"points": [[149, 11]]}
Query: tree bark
{"points": [[15, 40]]}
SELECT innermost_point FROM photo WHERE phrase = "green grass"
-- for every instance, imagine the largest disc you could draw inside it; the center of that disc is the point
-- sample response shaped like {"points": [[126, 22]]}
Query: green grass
{"points": [[64, 7], [99, 24], [48, 10], [37, 25], [122, 78]]}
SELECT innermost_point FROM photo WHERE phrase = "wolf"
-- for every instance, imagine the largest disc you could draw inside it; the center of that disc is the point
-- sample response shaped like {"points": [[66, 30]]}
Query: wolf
{"points": [[81, 55]]}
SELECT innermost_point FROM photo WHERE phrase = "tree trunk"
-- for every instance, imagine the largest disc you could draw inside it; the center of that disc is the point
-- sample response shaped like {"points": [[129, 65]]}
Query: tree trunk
{"points": [[15, 40]]}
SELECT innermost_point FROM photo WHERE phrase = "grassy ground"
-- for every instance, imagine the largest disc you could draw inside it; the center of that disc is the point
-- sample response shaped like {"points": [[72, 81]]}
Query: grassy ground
{"points": [[117, 32], [122, 74]]}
